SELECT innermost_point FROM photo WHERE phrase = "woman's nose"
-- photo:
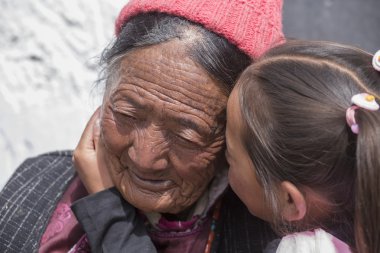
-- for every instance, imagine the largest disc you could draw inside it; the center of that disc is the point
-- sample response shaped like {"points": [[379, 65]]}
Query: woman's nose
{"points": [[149, 150]]}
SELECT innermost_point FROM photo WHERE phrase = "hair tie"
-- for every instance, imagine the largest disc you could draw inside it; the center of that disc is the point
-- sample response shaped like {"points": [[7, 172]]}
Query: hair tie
{"points": [[361, 100], [376, 61], [350, 118]]}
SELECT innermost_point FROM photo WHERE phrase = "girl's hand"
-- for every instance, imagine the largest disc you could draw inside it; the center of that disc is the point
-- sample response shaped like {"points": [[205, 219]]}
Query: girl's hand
{"points": [[87, 158]]}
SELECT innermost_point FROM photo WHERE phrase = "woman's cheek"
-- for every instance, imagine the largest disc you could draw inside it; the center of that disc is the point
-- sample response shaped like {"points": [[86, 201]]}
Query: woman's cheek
{"points": [[209, 159], [198, 170], [113, 140]]}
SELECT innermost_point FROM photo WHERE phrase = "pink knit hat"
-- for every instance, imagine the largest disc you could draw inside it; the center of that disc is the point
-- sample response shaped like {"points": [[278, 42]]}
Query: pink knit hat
{"points": [[254, 26]]}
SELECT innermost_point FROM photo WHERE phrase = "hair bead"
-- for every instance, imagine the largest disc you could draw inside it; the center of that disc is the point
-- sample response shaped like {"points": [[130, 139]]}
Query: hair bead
{"points": [[376, 61]]}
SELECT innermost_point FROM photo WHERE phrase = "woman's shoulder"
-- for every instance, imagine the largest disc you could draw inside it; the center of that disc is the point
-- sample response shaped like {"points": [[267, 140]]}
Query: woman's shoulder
{"points": [[42, 164], [63, 154], [53, 166], [29, 198]]}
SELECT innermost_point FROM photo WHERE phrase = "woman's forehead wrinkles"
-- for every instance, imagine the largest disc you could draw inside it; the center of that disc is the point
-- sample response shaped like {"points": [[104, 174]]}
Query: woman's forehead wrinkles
{"points": [[151, 97], [188, 89], [165, 80], [190, 81], [182, 114], [129, 98], [171, 65]]}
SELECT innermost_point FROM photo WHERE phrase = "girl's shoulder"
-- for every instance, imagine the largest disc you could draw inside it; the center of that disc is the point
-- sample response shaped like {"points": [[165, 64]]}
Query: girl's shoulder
{"points": [[316, 241]]}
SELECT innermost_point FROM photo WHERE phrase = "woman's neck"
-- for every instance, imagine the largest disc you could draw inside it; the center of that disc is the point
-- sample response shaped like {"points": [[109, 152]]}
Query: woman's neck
{"points": [[182, 216]]}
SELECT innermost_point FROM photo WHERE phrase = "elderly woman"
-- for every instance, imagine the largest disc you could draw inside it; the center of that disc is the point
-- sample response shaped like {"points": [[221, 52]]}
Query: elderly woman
{"points": [[168, 75]]}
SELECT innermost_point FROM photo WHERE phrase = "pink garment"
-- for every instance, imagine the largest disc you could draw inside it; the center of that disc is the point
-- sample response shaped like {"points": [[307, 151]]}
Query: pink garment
{"points": [[63, 230], [185, 239], [316, 241], [82, 246]]}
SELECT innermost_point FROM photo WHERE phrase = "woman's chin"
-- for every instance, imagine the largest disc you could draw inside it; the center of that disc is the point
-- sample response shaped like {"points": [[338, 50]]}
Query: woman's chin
{"points": [[152, 202], [167, 199]]}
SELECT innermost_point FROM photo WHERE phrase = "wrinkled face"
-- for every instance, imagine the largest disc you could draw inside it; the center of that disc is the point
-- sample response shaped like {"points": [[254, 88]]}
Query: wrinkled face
{"points": [[241, 175], [163, 128]]}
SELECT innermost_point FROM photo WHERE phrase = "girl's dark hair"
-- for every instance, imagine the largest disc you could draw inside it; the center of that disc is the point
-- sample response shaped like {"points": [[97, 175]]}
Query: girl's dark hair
{"points": [[222, 60], [293, 103]]}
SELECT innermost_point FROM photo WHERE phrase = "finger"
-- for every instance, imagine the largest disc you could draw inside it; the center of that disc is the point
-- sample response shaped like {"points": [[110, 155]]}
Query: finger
{"points": [[86, 140], [104, 173], [96, 133]]}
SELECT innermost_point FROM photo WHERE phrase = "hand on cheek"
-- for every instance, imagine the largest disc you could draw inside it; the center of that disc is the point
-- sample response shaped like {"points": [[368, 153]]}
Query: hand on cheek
{"points": [[88, 158]]}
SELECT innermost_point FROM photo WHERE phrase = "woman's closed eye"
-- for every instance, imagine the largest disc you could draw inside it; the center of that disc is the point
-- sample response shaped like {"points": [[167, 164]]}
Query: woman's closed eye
{"points": [[129, 116], [125, 117], [189, 137]]}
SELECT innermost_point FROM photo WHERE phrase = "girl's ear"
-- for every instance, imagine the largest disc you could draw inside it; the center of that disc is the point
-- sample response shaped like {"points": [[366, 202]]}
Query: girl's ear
{"points": [[293, 202]]}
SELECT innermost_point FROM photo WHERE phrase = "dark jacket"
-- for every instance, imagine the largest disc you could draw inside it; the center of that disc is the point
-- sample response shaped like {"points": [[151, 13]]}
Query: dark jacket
{"points": [[31, 195]]}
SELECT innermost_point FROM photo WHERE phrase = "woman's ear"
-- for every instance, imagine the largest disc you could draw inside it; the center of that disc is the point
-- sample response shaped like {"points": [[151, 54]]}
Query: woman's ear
{"points": [[293, 202]]}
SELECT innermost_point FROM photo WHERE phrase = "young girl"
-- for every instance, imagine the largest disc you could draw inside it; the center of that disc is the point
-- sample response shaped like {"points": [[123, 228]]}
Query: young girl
{"points": [[303, 129]]}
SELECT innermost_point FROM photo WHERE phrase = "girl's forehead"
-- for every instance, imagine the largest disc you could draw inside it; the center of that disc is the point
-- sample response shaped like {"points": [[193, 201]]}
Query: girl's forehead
{"points": [[233, 104]]}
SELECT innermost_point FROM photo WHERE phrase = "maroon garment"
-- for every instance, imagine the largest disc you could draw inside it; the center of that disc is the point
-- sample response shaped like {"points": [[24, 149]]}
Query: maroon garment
{"points": [[64, 233], [186, 238], [63, 230], [82, 246]]}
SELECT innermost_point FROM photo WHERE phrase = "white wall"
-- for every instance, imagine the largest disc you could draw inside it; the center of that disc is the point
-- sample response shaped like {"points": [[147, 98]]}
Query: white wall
{"points": [[48, 64]]}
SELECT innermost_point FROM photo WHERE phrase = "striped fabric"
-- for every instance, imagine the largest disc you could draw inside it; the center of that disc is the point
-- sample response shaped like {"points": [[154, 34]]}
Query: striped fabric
{"points": [[29, 198]]}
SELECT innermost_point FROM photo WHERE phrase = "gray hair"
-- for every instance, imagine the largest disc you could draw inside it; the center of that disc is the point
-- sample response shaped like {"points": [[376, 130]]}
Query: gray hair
{"points": [[222, 60]]}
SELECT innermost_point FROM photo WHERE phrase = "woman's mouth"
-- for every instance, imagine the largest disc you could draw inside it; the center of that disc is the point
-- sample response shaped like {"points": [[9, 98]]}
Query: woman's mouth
{"points": [[150, 184]]}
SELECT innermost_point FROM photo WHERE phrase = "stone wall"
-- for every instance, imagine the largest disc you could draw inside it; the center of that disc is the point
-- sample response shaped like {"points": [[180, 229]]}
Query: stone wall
{"points": [[48, 66]]}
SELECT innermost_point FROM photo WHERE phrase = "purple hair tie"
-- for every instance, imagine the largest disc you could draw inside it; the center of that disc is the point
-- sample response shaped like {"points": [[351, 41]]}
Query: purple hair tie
{"points": [[350, 118]]}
